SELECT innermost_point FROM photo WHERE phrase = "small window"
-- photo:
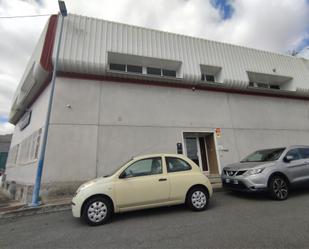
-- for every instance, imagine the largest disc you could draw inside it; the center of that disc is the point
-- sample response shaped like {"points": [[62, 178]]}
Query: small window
{"points": [[169, 73], [262, 85], [304, 152], [251, 84], [208, 77], [294, 153], [274, 87], [134, 69], [117, 67], [144, 167], [154, 71], [175, 164]]}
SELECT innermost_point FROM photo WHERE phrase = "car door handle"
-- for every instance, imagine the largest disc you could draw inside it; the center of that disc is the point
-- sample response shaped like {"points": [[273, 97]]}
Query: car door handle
{"points": [[162, 179]]}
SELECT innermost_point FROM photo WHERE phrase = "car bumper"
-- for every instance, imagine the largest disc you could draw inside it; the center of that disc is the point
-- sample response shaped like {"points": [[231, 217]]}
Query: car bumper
{"points": [[75, 209], [254, 183]]}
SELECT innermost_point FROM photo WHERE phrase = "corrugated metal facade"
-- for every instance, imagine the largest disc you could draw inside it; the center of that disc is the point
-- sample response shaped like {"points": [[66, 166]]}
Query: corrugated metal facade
{"points": [[86, 42]]}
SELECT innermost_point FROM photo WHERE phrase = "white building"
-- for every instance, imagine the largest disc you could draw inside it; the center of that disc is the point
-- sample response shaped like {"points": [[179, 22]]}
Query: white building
{"points": [[124, 90]]}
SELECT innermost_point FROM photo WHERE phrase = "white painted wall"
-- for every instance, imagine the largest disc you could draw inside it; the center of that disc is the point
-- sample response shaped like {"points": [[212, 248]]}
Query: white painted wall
{"points": [[25, 173], [110, 122]]}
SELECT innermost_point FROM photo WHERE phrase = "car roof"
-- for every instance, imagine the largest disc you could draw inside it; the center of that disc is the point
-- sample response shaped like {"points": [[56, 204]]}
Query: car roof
{"points": [[298, 146], [159, 155]]}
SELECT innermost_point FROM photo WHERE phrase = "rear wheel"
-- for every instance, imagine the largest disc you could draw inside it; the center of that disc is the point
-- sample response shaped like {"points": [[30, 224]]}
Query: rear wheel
{"points": [[197, 199], [279, 189], [97, 211]]}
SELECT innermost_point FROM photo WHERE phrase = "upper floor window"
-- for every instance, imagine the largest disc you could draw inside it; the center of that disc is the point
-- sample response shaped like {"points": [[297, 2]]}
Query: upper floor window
{"points": [[126, 68], [136, 64], [161, 72], [134, 69], [208, 77], [211, 73], [269, 81], [264, 85], [117, 67], [154, 71]]}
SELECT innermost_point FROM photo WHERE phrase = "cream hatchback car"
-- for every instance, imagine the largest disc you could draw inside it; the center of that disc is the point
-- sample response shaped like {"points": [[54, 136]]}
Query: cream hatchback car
{"points": [[144, 182]]}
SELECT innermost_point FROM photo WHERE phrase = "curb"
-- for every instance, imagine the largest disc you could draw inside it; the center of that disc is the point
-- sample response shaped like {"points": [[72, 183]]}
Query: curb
{"points": [[27, 211], [218, 189]]}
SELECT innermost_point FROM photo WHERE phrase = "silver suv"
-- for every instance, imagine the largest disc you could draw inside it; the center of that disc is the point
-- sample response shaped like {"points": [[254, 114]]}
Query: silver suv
{"points": [[274, 170]]}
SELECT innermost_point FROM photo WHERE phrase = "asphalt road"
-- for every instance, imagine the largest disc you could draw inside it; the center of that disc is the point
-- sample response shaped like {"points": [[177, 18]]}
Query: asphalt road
{"points": [[232, 221]]}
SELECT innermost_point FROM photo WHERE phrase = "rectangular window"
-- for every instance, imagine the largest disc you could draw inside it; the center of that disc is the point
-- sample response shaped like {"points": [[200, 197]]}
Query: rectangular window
{"points": [[262, 85], [169, 73], [154, 71], [208, 77], [134, 69], [274, 87], [117, 67]]}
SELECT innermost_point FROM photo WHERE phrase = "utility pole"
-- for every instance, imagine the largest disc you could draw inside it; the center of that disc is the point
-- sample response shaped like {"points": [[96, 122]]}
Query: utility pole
{"points": [[37, 185]]}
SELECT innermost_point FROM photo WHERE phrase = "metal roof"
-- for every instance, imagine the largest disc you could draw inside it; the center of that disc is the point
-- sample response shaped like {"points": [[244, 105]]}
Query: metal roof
{"points": [[88, 44]]}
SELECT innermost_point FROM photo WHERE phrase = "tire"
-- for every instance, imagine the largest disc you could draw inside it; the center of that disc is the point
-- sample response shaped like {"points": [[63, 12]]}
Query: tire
{"points": [[278, 188], [197, 199], [97, 211]]}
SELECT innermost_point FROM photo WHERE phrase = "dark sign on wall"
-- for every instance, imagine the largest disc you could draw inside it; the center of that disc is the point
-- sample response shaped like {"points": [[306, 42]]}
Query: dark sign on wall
{"points": [[179, 148], [25, 120]]}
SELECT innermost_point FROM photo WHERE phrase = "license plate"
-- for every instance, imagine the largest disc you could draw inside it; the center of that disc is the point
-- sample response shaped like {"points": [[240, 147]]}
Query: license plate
{"points": [[235, 182], [227, 180]]}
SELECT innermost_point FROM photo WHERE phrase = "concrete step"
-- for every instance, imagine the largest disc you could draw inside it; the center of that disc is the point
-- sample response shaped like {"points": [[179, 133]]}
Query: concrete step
{"points": [[214, 178]]}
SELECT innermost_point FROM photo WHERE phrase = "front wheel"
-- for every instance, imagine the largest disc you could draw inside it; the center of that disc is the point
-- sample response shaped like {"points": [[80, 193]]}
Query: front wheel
{"points": [[97, 211], [197, 199], [278, 187]]}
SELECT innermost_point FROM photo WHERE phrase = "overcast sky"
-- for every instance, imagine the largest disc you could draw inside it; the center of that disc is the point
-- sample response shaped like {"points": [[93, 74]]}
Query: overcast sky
{"points": [[273, 25]]}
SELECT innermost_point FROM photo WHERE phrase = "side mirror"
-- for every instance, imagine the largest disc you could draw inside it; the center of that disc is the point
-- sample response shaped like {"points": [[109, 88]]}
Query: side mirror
{"points": [[288, 158]]}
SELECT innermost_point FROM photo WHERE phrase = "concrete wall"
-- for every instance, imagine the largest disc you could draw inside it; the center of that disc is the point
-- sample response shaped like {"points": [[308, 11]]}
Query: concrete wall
{"points": [[25, 173], [96, 126]]}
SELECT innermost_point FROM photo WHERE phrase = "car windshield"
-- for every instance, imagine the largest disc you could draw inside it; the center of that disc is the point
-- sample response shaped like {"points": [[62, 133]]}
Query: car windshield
{"points": [[113, 172], [264, 155]]}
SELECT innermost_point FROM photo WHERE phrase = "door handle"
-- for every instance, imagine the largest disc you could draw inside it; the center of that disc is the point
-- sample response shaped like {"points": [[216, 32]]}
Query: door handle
{"points": [[162, 179]]}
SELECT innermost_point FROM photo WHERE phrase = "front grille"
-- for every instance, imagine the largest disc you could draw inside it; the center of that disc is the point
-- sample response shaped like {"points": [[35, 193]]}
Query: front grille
{"points": [[230, 172], [241, 172], [234, 172]]}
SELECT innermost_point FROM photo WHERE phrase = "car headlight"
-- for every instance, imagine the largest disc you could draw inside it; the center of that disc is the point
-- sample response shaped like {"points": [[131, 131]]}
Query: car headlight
{"points": [[82, 187], [253, 171]]}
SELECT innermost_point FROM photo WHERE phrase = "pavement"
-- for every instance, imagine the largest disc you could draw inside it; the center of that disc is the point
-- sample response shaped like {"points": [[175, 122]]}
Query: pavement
{"points": [[11, 208], [231, 221]]}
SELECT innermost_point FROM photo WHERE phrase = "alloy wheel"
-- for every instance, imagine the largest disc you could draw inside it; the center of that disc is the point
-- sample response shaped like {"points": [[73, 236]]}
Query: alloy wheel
{"points": [[198, 199], [280, 188], [97, 211]]}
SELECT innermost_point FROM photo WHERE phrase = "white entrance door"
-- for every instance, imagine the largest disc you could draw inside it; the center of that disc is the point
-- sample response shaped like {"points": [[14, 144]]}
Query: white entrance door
{"points": [[196, 150]]}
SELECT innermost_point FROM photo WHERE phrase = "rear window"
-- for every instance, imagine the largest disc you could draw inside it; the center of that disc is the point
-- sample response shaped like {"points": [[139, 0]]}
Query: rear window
{"points": [[175, 164]]}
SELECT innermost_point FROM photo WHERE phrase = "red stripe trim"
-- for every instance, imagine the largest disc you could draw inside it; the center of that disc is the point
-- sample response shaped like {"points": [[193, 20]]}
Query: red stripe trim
{"points": [[177, 85], [47, 51]]}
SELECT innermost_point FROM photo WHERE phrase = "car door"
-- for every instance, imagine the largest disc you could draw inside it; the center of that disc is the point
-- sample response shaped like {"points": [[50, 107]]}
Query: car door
{"points": [[296, 167], [304, 153], [180, 176], [144, 182]]}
